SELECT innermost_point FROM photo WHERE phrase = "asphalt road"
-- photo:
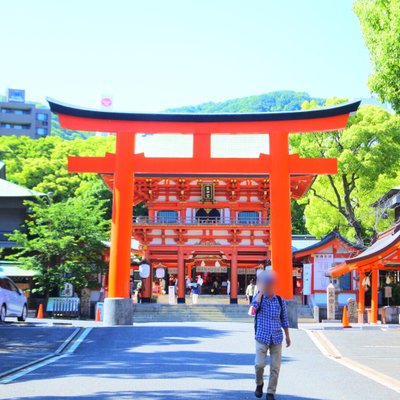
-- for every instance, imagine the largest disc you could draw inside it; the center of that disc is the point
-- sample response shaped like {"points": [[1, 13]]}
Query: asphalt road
{"points": [[188, 361], [20, 344]]}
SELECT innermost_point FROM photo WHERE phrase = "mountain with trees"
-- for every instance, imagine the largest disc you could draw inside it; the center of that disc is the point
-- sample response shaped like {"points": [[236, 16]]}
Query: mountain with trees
{"points": [[282, 100]]}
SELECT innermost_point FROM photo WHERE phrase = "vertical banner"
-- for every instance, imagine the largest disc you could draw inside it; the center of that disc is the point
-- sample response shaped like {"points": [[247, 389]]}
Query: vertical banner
{"points": [[322, 262], [307, 273]]}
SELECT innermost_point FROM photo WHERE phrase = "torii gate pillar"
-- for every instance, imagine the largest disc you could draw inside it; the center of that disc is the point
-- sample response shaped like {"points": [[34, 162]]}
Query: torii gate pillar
{"points": [[118, 309], [281, 224]]}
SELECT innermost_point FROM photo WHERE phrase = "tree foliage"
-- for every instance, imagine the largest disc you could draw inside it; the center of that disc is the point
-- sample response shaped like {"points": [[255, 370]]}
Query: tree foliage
{"points": [[62, 242], [283, 100], [380, 24], [368, 152], [41, 164]]}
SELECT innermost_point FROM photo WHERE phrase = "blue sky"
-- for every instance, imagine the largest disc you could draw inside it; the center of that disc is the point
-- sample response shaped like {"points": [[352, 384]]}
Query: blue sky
{"points": [[154, 54]]}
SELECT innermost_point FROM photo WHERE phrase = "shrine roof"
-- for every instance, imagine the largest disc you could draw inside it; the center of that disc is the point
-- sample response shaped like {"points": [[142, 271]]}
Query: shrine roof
{"points": [[10, 189], [75, 111], [326, 240], [381, 251]]}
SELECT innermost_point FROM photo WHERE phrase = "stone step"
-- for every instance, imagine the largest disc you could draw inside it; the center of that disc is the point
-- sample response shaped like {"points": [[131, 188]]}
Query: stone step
{"points": [[159, 312]]}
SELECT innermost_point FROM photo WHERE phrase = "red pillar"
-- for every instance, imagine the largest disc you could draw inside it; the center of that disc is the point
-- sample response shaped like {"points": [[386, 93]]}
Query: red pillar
{"points": [[234, 277], [374, 295], [147, 282], [121, 225], [361, 299], [281, 224], [181, 276]]}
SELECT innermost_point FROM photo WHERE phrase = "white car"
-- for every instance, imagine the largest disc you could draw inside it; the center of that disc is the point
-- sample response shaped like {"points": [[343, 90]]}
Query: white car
{"points": [[12, 300]]}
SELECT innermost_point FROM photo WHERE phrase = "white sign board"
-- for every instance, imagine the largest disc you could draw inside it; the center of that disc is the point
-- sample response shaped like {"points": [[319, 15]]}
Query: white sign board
{"points": [[322, 262], [222, 270], [307, 274], [171, 295]]}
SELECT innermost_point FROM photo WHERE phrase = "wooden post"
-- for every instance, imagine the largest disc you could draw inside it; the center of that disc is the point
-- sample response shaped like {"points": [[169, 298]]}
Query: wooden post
{"points": [[234, 277], [374, 295], [181, 276], [121, 225], [361, 298], [281, 224], [147, 282]]}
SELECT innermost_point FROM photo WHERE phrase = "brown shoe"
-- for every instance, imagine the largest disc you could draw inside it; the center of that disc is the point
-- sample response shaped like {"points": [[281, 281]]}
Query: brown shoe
{"points": [[270, 396]]}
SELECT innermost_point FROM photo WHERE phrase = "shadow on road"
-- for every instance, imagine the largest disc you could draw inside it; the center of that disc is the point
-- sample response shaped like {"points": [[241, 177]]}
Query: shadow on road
{"points": [[172, 352], [168, 395]]}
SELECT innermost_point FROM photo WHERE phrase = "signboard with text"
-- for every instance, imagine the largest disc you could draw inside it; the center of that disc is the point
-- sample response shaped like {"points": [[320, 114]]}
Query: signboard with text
{"points": [[207, 192], [322, 262], [307, 272]]}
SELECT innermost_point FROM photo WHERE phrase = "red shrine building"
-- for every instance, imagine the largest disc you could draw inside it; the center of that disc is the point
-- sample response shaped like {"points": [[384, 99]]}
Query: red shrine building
{"points": [[206, 213], [212, 220]]}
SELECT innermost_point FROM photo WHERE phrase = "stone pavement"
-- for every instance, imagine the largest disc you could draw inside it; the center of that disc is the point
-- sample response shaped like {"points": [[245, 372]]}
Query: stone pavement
{"points": [[176, 361], [378, 349]]}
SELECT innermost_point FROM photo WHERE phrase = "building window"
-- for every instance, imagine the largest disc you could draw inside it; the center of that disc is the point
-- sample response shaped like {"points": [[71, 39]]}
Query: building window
{"points": [[249, 217], [345, 281], [42, 117], [41, 131], [167, 217], [14, 126], [14, 111]]}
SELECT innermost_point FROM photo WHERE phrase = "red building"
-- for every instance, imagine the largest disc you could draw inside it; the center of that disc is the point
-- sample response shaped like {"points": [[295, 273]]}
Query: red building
{"points": [[208, 221], [311, 266]]}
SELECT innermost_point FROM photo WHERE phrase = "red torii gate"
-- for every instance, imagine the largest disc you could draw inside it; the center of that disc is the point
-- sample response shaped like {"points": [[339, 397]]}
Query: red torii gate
{"points": [[124, 164]]}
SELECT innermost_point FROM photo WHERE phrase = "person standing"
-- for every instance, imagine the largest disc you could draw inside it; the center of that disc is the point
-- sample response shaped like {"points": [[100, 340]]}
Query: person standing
{"points": [[270, 318], [188, 284], [200, 282], [195, 292], [250, 290]]}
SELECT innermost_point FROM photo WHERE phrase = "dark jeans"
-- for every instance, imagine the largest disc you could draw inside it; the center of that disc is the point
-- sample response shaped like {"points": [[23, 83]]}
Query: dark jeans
{"points": [[250, 299]]}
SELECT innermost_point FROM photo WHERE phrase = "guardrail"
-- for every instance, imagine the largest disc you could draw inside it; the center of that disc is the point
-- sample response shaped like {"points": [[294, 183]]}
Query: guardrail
{"points": [[63, 306], [144, 220]]}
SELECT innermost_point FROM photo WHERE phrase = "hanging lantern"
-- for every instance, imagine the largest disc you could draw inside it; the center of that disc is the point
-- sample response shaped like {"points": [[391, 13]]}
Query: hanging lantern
{"points": [[144, 270], [388, 279], [366, 282], [203, 264], [160, 273], [217, 263]]}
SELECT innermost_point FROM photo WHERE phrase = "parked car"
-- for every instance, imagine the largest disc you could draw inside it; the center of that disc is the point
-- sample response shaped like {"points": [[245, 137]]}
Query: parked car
{"points": [[12, 300]]}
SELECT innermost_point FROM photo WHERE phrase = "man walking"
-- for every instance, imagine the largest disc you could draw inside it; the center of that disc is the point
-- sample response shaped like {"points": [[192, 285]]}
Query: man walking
{"points": [[250, 290], [270, 317]]}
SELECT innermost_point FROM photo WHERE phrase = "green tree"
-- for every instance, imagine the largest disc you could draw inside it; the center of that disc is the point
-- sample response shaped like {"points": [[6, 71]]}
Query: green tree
{"points": [[380, 24], [41, 164], [298, 220], [368, 152], [62, 242]]}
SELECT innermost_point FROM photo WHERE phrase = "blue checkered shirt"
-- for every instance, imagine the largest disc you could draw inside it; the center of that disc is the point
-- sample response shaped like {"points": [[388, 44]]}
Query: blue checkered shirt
{"points": [[270, 321]]}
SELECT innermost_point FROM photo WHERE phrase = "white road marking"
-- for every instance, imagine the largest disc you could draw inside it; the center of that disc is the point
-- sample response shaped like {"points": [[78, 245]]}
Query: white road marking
{"points": [[51, 360], [330, 351]]}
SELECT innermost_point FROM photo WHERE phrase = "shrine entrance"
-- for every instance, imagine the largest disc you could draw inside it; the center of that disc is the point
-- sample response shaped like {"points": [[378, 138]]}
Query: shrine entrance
{"points": [[254, 192], [208, 215]]}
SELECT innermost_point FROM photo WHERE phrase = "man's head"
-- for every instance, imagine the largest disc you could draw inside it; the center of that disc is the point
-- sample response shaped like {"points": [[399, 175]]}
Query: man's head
{"points": [[266, 282]]}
